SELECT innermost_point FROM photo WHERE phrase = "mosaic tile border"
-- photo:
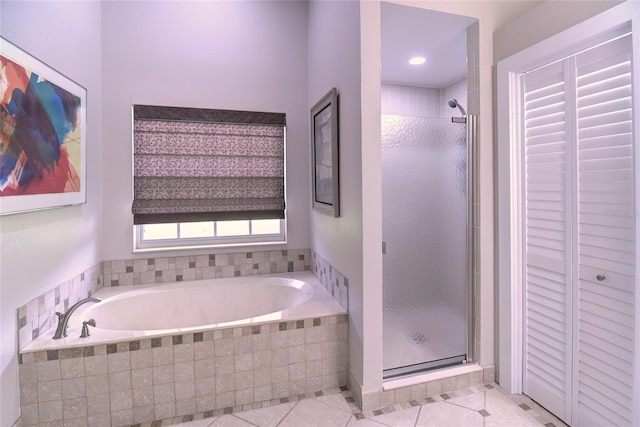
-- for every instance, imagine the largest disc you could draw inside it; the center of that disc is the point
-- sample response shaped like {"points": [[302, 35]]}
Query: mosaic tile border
{"points": [[159, 270], [242, 408], [171, 340], [38, 315], [524, 402], [332, 280]]}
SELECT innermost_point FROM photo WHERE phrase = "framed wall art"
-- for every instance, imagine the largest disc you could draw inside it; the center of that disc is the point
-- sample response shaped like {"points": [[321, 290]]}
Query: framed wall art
{"points": [[43, 141], [325, 159]]}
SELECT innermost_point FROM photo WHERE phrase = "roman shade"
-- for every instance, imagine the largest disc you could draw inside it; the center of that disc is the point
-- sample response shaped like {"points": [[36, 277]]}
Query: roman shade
{"points": [[192, 164]]}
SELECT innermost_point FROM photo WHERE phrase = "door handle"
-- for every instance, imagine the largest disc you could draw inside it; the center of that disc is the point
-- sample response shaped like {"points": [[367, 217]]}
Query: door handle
{"points": [[600, 277]]}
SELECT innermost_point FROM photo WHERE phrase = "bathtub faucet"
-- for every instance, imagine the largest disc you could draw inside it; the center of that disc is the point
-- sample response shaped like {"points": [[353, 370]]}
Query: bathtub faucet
{"points": [[63, 319]]}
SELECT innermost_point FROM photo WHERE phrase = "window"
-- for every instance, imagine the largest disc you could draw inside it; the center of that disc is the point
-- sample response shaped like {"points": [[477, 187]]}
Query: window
{"points": [[244, 232], [207, 177]]}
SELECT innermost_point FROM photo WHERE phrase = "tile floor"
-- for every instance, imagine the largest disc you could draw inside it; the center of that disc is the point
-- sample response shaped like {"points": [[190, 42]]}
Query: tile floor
{"points": [[483, 406]]}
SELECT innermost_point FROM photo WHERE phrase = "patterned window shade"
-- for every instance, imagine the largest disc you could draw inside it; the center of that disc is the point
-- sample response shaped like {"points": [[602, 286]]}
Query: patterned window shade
{"points": [[207, 165]]}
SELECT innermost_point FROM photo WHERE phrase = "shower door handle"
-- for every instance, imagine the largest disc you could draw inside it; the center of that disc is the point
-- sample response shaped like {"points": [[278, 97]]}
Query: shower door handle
{"points": [[384, 248]]}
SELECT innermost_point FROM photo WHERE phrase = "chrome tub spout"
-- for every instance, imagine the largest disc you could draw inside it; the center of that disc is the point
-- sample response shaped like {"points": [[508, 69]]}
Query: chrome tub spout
{"points": [[63, 319]]}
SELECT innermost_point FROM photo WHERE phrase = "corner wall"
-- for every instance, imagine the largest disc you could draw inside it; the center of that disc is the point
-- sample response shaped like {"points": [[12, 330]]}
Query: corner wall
{"points": [[334, 61], [39, 250]]}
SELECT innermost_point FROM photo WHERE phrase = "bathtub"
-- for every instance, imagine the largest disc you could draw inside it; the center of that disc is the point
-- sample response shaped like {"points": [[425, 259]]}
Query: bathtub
{"points": [[129, 312], [216, 303], [187, 349]]}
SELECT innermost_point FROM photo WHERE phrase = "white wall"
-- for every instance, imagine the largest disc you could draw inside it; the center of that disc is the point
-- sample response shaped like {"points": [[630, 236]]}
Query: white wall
{"points": [[334, 61], [40, 250], [219, 54]]}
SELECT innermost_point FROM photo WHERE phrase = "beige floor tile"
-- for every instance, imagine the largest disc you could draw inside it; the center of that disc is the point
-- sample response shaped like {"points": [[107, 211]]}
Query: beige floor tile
{"points": [[313, 413], [335, 401], [403, 418], [267, 417], [479, 406], [474, 401], [197, 423], [440, 414], [365, 422], [229, 421], [505, 412]]}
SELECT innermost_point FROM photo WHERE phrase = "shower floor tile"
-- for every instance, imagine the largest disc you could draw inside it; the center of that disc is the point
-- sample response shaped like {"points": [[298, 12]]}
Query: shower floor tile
{"points": [[483, 406]]}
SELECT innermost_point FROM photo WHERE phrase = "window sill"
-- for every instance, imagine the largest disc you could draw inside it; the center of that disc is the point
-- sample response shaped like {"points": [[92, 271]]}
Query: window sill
{"points": [[211, 246]]}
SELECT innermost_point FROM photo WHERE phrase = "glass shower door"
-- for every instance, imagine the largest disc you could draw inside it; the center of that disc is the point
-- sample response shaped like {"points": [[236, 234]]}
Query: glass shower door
{"points": [[424, 229]]}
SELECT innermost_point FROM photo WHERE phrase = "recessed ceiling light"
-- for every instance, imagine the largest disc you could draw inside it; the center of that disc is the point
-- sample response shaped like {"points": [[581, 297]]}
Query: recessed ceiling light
{"points": [[417, 60]]}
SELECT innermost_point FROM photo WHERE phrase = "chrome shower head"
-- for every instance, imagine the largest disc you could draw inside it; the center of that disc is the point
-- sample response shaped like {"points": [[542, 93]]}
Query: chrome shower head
{"points": [[453, 103]]}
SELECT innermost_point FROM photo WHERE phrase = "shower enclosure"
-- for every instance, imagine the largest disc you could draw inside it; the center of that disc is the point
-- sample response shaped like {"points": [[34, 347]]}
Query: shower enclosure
{"points": [[426, 242]]}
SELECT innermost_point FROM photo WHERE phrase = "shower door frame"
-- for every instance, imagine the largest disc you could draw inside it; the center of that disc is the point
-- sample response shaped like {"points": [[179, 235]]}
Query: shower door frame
{"points": [[471, 123], [472, 181]]}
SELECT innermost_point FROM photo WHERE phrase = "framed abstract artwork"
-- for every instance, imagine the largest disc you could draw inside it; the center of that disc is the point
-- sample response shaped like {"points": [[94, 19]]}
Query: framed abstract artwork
{"points": [[325, 159], [43, 145]]}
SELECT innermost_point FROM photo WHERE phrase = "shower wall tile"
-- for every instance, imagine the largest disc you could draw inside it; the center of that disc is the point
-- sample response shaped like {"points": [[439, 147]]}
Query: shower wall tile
{"points": [[473, 68], [410, 100], [38, 315], [423, 102], [456, 90]]}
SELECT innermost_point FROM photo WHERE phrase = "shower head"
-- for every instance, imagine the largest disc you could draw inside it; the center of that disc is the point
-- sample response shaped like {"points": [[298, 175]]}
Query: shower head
{"points": [[453, 103]]}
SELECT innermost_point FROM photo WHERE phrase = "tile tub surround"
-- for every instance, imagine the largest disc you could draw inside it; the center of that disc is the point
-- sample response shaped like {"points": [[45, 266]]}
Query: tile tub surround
{"points": [[332, 280], [159, 270], [182, 375], [38, 315]]}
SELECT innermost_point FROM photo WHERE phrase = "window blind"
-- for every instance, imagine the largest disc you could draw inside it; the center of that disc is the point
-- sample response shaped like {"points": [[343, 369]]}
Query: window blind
{"points": [[193, 164]]}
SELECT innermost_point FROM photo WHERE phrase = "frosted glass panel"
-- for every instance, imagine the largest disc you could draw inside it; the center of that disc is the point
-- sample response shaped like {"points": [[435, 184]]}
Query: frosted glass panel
{"points": [[424, 211]]}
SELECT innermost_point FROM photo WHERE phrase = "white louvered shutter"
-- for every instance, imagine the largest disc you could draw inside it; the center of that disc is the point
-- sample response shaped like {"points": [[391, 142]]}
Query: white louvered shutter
{"points": [[603, 379], [547, 229], [580, 248]]}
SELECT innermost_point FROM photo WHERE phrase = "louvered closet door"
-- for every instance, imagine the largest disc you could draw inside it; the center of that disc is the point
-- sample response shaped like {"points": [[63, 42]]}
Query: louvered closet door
{"points": [[580, 248], [604, 353], [547, 160]]}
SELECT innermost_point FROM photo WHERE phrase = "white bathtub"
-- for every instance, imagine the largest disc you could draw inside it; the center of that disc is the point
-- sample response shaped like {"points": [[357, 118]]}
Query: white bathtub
{"points": [[130, 312]]}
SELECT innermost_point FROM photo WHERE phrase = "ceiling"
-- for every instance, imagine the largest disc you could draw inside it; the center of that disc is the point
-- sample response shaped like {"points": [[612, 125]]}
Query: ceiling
{"points": [[440, 37]]}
